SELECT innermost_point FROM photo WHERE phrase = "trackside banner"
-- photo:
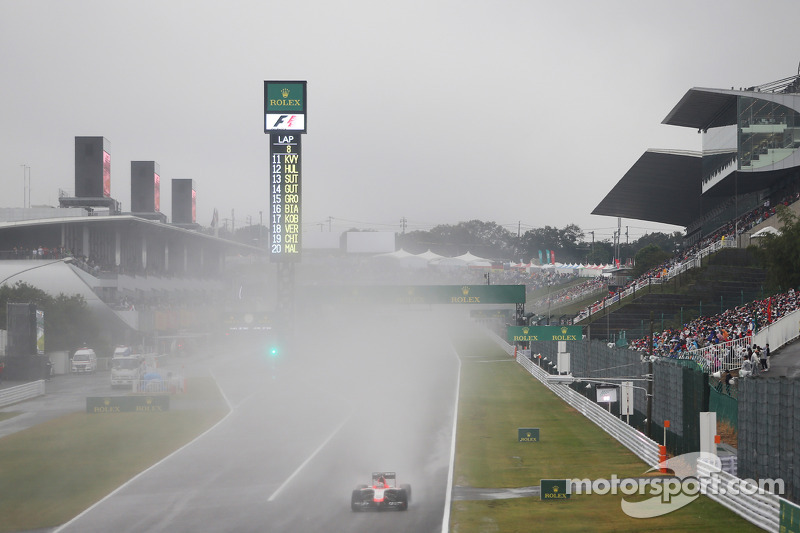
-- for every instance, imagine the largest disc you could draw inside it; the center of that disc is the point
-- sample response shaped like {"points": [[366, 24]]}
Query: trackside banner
{"points": [[127, 404], [544, 333], [423, 294]]}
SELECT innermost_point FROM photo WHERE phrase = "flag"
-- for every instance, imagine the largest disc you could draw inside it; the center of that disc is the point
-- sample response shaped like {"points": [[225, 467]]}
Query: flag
{"points": [[553, 256], [215, 219], [540, 258], [769, 311]]}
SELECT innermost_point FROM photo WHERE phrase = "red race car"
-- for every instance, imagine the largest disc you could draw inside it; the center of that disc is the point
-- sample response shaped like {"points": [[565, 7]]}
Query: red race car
{"points": [[382, 495]]}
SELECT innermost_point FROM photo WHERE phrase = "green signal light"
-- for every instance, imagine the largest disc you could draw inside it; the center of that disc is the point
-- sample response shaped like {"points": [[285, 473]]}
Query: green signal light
{"points": [[273, 351]]}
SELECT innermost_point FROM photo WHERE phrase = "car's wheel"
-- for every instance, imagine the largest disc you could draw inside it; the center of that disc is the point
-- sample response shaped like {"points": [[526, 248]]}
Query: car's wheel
{"points": [[355, 500], [407, 488], [402, 497]]}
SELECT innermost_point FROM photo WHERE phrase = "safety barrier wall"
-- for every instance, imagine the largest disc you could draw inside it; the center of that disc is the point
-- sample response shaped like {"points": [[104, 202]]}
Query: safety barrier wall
{"points": [[21, 392], [758, 507]]}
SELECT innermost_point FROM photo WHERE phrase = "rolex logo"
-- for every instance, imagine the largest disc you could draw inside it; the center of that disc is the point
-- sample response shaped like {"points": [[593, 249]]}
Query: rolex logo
{"points": [[465, 290], [563, 330], [525, 331], [149, 401], [106, 401], [285, 93], [555, 488]]}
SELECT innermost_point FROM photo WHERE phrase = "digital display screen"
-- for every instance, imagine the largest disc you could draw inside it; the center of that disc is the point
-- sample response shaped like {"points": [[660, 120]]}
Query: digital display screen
{"points": [[156, 192], [284, 184], [194, 206], [606, 395], [106, 174]]}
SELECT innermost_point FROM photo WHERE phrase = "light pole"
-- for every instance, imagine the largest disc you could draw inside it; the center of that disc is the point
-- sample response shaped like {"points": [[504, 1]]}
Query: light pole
{"points": [[63, 260], [26, 185]]}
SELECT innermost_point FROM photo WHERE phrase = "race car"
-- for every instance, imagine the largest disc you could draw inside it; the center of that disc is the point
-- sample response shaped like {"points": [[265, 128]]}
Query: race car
{"points": [[382, 495]]}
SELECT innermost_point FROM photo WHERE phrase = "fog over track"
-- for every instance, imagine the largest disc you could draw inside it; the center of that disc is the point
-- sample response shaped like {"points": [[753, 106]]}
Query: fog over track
{"points": [[360, 391]]}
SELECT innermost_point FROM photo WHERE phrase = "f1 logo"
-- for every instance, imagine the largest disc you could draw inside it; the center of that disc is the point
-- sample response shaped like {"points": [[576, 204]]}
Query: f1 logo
{"points": [[281, 120], [276, 122]]}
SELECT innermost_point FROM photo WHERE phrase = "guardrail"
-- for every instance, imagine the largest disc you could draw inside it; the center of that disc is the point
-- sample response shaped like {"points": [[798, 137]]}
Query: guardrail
{"points": [[756, 506], [741, 496], [644, 448], [20, 393]]}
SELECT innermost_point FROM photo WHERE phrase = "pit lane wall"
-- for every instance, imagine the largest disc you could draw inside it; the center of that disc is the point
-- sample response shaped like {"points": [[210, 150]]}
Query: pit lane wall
{"points": [[763, 510]]}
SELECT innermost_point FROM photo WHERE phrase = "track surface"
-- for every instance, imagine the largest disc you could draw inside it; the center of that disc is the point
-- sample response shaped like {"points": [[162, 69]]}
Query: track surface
{"points": [[357, 395]]}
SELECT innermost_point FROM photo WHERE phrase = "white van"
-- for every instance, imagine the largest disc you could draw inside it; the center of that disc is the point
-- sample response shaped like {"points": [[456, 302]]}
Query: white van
{"points": [[84, 360]]}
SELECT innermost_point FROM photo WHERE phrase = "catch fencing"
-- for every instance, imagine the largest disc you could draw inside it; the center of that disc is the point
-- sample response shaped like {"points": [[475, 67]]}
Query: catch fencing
{"points": [[20, 393], [754, 505]]}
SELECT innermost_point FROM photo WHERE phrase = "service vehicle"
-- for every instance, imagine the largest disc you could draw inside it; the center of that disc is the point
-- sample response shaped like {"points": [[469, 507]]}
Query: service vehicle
{"points": [[126, 367], [84, 360], [382, 494]]}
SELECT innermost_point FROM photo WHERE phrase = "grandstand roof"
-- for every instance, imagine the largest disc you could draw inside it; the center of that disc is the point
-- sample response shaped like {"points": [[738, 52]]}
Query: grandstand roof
{"points": [[662, 186], [705, 108]]}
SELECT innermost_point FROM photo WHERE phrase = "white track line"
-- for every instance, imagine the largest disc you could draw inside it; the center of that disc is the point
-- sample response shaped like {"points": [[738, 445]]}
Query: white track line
{"points": [[308, 460], [143, 472], [448, 495]]}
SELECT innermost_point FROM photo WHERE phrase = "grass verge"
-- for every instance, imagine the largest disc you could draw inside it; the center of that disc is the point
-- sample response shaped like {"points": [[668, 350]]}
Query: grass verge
{"points": [[51, 472], [498, 396]]}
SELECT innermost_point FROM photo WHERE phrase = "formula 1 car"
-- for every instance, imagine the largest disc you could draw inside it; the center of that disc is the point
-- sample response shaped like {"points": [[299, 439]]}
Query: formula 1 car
{"points": [[382, 495]]}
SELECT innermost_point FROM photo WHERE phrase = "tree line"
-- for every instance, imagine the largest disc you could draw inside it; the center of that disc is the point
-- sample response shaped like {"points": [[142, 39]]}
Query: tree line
{"points": [[492, 241]]}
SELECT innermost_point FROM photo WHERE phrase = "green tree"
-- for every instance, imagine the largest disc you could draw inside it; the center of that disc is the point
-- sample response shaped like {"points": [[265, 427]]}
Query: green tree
{"points": [[484, 239], [780, 254], [566, 242], [648, 257], [68, 321]]}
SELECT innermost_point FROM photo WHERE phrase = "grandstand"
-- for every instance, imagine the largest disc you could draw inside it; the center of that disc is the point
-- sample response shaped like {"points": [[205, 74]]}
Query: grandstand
{"points": [[723, 195], [144, 278]]}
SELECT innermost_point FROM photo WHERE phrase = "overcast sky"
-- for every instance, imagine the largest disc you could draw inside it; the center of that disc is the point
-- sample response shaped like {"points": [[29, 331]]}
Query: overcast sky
{"points": [[525, 113]]}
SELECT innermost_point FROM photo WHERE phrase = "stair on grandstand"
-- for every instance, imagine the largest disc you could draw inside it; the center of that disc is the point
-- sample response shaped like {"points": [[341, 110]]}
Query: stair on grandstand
{"points": [[725, 282]]}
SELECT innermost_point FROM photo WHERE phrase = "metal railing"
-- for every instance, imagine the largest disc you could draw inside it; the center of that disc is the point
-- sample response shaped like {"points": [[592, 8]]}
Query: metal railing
{"points": [[693, 262], [171, 384]]}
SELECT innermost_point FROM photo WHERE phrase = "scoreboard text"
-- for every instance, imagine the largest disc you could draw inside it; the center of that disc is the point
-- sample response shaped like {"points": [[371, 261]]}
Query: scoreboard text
{"points": [[284, 197]]}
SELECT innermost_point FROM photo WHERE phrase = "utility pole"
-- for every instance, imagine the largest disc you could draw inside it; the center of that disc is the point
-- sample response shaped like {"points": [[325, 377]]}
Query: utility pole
{"points": [[403, 222], [330, 219]]}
